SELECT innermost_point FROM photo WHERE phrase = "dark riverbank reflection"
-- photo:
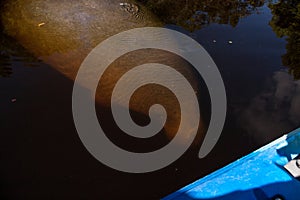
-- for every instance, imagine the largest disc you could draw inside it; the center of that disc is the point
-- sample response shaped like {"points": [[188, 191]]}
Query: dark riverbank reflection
{"points": [[11, 52], [255, 46]]}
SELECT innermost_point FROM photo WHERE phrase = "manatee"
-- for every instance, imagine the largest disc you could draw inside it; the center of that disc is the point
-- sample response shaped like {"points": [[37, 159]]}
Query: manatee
{"points": [[62, 33]]}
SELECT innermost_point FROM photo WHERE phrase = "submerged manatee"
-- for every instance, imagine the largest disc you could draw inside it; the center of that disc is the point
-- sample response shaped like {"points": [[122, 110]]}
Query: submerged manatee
{"points": [[63, 32]]}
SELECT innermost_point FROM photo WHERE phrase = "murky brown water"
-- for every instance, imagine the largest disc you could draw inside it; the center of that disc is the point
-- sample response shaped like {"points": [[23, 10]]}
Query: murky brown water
{"points": [[41, 154]]}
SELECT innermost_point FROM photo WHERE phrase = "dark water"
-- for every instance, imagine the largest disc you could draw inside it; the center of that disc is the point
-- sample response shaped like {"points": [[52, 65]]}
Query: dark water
{"points": [[43, 157]]}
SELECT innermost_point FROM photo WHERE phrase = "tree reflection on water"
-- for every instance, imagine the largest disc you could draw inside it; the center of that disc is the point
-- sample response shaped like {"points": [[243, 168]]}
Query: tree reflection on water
{"points": [[286, 23], [193, 15]]}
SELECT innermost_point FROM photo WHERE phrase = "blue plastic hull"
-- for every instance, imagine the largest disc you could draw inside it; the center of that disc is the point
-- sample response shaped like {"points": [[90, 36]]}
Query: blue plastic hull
{"points": [[258, 176]]}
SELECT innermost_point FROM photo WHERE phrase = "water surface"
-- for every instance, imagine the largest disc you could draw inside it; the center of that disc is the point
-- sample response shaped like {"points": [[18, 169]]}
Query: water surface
{"points": [[257, 51]]}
